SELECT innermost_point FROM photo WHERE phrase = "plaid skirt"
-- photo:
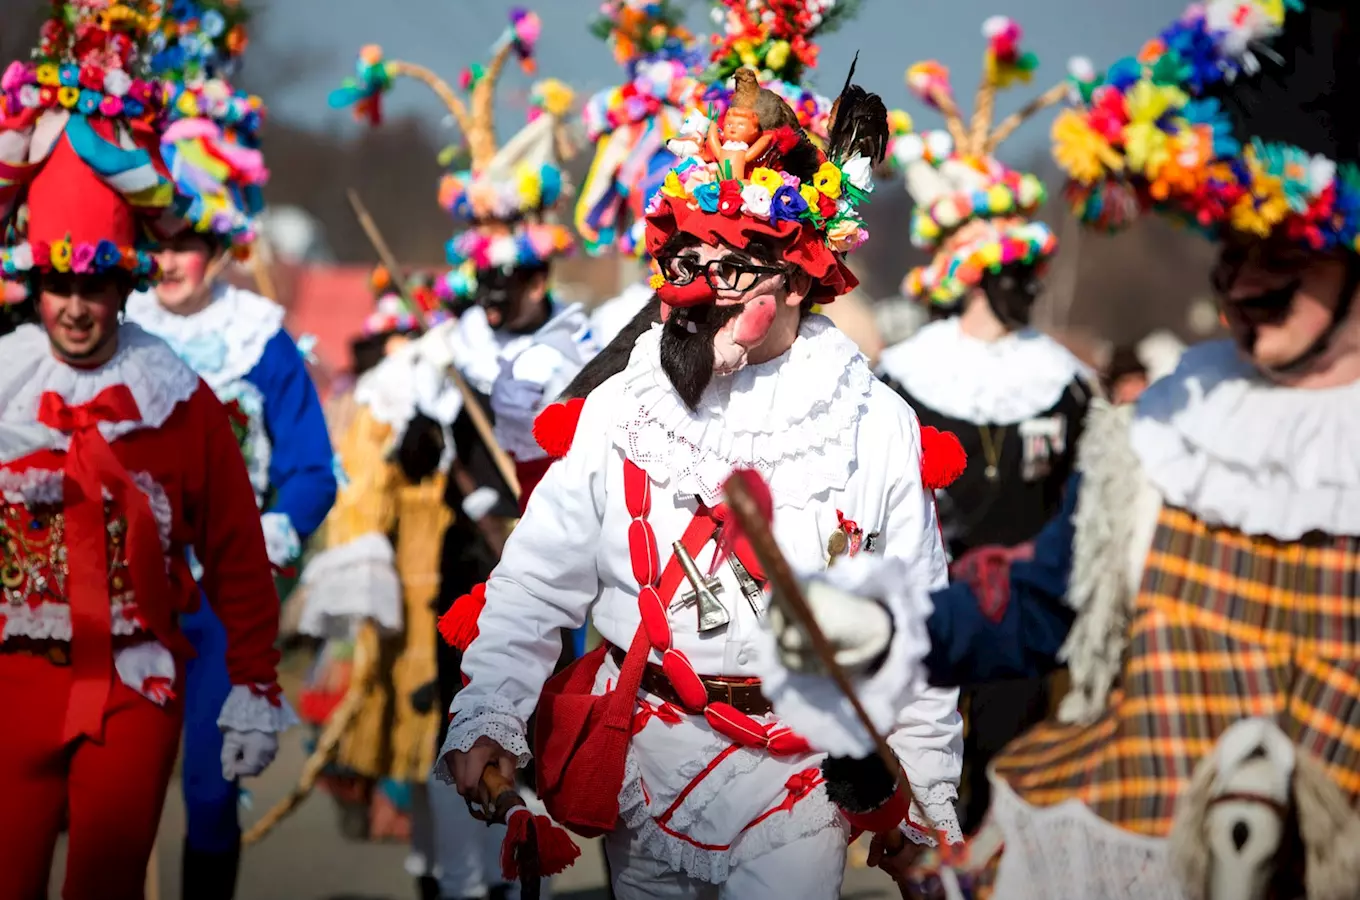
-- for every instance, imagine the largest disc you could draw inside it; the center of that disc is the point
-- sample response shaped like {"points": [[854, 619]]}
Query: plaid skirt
{"points": [[1226, 627]]}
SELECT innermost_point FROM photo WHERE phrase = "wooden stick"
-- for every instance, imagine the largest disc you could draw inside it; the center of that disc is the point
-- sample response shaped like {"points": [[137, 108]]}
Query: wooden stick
{"points": [[153, 873], [441, 88], [953, 121], [785, 590], [982, 115], [504, 464], [1050, 97], [328, 746], [260, 262]]}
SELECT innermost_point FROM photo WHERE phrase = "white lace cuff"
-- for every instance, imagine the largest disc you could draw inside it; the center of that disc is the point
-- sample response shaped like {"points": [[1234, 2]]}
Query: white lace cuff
{"points": [[281, 539], [931, 809], [349, 583], [257, 707], [492, 717]]}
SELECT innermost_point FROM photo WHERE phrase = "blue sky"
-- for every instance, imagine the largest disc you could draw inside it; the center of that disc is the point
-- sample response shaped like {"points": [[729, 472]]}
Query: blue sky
{"points": [[889, 34]]}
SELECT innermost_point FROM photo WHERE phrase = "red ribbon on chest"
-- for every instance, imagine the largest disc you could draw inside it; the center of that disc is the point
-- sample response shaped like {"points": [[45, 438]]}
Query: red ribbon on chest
{"points": [[91, 467]]}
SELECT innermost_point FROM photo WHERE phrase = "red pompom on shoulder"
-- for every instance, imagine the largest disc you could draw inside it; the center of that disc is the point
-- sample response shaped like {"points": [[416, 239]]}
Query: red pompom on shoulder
{"points": [[942, 458], [458, 626], [555, 427], [785, 139]]}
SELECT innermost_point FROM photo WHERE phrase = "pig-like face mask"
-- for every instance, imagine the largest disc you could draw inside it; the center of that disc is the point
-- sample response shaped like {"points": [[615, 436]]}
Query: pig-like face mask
{"points": [[743, 302]]}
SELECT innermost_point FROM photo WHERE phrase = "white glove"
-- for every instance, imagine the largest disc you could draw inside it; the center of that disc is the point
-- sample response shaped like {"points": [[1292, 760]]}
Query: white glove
{"points": [[247, 752], [858, 629]]}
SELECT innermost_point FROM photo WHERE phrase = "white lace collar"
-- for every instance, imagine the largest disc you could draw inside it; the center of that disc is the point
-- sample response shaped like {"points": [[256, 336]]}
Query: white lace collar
{"points": [[1218, 439], [158, 380], [223, 341], [985, 383], [795, 419]]}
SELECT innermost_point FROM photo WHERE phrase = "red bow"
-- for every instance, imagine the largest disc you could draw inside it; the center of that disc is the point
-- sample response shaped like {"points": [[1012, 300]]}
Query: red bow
{"points": [[90, 467]]}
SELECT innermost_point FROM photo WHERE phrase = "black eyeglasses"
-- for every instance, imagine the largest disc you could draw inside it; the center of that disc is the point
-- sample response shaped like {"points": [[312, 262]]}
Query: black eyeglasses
{"points": [[726, 274]]}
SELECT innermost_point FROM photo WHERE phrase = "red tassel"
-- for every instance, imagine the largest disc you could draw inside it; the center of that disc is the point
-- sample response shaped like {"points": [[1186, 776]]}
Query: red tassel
{"points": [[555, 427], [942, 458], [785, 139], [556, 850], [458, 626]]}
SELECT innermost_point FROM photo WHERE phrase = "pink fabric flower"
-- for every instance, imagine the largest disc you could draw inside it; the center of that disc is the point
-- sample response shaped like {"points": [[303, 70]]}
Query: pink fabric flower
{"points": [[82, 259]]}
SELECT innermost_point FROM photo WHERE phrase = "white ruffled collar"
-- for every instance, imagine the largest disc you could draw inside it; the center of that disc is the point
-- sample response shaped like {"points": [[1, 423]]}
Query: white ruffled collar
{"points": [[982, 382], [157, 378], [223, 341], [1220, 440], [795, 419]]}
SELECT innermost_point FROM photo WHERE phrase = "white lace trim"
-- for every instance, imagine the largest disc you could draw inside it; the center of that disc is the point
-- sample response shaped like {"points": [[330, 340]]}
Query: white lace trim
{"points": [[52, 621], [245, 710], [931, 808], [794, 419], [493, 717], [813, 813], [354, 581], [281, 539], [1225, 443], [257, 449], [1068, 851], [983, 382], [476, 349], [812, 705], [46, 487], [147, 668], [157, 378], [224, 341]]}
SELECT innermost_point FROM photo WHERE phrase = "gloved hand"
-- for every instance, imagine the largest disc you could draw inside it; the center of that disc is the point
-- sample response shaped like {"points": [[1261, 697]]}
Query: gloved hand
{"points": [[858, 628], [247, 752]]}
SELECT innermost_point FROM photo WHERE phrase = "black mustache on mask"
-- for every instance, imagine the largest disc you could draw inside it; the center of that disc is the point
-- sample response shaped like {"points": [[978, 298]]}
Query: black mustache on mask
{"points": [[687, 347]]}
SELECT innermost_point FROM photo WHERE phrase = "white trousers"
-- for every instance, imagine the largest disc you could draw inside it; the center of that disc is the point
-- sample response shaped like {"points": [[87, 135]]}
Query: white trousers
{"points": [[467, 852], [810, 868]]}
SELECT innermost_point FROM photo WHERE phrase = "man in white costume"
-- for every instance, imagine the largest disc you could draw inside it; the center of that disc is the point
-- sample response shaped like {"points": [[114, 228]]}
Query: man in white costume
{"points": [[706, 794]]}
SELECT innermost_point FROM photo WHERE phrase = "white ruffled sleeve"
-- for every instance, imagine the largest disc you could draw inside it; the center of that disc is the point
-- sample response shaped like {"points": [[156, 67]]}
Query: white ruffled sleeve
{"points": [[928, 739], [547, 580]]}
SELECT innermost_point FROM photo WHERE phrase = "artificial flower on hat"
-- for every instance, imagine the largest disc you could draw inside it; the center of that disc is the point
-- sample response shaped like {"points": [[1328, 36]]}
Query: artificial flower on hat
{"points": [[972, 212], [631, 124], [80, 175], [1237, 118], [776, 38], [767, 181], [211, 142]]}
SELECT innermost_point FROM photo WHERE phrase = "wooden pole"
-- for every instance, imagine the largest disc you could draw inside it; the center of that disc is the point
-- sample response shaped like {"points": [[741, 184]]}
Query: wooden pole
{"points": [[504, 464]]}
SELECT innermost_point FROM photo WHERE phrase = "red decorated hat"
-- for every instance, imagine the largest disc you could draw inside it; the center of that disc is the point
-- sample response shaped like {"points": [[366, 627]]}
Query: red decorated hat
{"points": [[80, 180], [755, 175]]}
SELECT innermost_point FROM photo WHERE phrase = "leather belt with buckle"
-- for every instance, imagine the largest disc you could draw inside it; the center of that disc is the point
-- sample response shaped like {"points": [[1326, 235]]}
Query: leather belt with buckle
{"points": [[741, 693]]}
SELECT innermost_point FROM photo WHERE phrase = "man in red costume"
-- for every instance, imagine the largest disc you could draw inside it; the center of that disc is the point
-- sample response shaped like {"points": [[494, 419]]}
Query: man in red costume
{"points": [[116, 461]]}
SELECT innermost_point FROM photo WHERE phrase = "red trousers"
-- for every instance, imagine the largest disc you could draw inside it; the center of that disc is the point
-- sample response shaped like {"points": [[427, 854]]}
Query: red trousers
{"points": [[109, 793]]}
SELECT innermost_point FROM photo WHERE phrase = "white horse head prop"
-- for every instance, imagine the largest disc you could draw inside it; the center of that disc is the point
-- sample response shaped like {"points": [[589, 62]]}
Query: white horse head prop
{"points": [[1252, 798]]}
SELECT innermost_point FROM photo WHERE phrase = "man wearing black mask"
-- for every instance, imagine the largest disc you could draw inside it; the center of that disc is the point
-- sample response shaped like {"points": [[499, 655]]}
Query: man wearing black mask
{"points": [[1015, 397]]}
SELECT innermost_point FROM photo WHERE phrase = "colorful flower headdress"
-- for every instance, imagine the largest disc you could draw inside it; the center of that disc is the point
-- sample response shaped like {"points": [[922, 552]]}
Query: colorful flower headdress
{"points": [[777, 38], [504, 193], [971, 211], [80, 181], [391, 312], [1193, 126], [211, 144], [630, 123], [754, 173]]}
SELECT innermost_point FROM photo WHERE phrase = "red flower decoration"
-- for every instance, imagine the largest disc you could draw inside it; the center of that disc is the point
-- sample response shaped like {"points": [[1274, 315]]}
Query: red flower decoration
{"points": [[826, 207], [42, 255], [729, 198], [91, 77]]}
